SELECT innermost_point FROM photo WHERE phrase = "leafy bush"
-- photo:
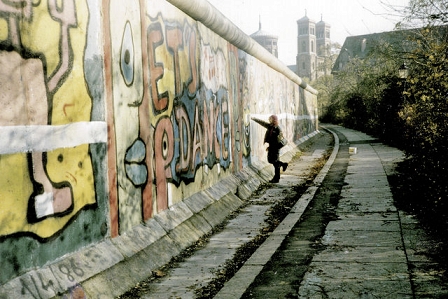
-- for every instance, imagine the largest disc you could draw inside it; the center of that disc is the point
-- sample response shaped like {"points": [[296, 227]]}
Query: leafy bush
{"points": [[411, 114]]}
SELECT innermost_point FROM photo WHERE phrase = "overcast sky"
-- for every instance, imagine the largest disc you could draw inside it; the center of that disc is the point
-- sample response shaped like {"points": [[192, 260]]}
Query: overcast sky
{"points": [[279, 17]]}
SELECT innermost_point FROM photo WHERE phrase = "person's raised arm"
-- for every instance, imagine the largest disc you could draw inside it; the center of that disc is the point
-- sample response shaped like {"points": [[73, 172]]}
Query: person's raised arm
{"points": [[261, 122]]}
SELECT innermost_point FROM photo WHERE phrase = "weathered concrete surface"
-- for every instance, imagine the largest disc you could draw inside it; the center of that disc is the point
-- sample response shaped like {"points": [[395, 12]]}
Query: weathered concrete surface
{"points": [[372, 250], [368, 248], [253, 266], [364, 256], [198, 270], [112, 267]]}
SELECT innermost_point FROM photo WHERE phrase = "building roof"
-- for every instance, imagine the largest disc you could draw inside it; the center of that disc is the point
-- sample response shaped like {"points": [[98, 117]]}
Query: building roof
{"points": [[262, 33], [305, 19], [322, 23], [360, 46]]}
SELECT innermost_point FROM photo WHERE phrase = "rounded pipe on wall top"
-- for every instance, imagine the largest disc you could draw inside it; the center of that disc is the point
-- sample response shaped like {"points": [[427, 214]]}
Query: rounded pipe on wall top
{"points": [[202, 11]]}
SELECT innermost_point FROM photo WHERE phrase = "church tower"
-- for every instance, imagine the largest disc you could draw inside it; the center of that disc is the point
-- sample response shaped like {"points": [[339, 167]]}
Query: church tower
{"points": [[313, 48], [323, 43], [323, 38], [306, 48]]}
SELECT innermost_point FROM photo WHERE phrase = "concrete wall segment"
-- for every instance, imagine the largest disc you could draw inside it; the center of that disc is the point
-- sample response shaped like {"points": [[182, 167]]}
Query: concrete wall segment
{"points": [[116, 115], [205, 13]]}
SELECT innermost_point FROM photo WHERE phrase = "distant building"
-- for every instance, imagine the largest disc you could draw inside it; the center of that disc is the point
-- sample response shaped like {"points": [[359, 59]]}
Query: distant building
{"points": [[267, 40], [360, 46], [397, 41], [313, 48]]}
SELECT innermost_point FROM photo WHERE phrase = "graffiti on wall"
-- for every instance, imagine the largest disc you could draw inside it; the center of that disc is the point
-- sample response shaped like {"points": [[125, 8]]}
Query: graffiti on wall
{"points": [[46, 169], [171, 123], [192, 122]]}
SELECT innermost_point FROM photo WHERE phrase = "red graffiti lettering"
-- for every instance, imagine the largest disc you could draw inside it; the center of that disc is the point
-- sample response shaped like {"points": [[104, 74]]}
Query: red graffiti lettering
{"points": [[209, 127], [197, 138], [193, 85], [185, 136], [174, 43], [163, 152], [225, 127], [155, 39], [215, 116]]}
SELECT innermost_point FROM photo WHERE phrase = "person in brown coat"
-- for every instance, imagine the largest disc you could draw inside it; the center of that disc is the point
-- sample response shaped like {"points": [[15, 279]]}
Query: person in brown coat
{"points": [[271, 137]]}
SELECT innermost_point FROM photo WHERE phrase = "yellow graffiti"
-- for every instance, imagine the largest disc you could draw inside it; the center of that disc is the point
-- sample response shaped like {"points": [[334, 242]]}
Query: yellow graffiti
{"points": [[15, 189], [167, 83], [3, 30], [70, 102]]}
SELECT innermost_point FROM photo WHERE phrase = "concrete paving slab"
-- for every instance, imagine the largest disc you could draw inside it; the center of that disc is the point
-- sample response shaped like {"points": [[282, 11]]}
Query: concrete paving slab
{"points": [[265, 251], [32, 285], [368, 195], [204, 259], [198, 202], [369, 216], [346, 206], [244, 191], [359, 225], [185, 234], [360, 190], [200, 224], [175, 293], [250, 181], [291, 180], [428, 280], [343, 271], [365, 238], [162, 251], [171, 218], [365, 171], [228, 237], [360, 178], [117, 279], [215, 214], [264, 170], [231, 202], [359, 254], [140, 237], [236, 287], [366, 183], [184, 280], [86, 264], [223, 188], [314, 287]]}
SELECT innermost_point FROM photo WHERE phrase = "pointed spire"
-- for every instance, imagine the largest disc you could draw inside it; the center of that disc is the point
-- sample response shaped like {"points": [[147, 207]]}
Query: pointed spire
{"points": [[321, 18], [259, 22]]}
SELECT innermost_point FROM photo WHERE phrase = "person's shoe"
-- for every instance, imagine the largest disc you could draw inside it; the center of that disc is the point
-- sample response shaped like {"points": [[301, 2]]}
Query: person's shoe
{"points": [[274, 181], [285, 165]]}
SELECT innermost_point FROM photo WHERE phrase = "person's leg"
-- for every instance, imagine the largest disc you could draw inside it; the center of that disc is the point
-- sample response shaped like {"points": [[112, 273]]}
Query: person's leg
{"points": [[276, 178], [273, 158]]}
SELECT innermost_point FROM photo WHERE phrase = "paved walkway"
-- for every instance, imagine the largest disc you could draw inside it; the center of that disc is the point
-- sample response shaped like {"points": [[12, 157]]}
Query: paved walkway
{"points": [[204, 265], [371, 250], [364, 255]]}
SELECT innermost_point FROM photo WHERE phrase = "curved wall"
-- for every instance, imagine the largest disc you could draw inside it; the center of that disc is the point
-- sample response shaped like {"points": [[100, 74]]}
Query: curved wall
{"points": [[115, 112]]}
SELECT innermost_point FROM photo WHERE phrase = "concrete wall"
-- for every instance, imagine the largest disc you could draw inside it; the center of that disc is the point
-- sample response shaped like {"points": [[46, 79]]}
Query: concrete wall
{"points": [[114, 113]]}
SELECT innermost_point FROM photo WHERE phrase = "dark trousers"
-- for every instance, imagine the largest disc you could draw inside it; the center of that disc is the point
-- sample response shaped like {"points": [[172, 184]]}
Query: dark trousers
{"points": [[273, 158], [277, 166]]}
